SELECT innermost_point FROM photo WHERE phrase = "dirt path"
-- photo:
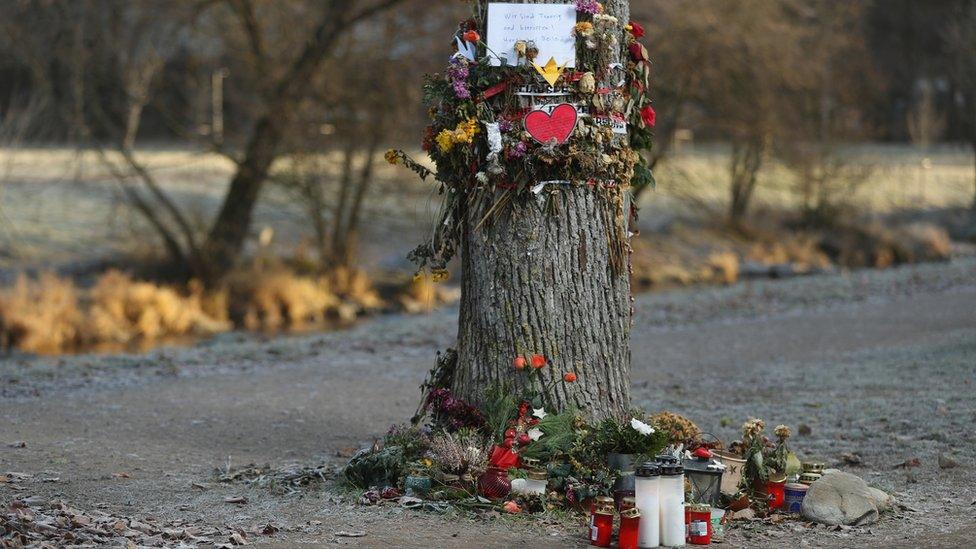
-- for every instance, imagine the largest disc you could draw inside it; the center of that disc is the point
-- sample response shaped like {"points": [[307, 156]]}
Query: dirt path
{"points": [[882, 365]]}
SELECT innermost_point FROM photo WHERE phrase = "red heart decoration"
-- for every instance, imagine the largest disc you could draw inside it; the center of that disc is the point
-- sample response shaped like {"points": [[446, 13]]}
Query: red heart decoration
{"points": [[559, 125]]}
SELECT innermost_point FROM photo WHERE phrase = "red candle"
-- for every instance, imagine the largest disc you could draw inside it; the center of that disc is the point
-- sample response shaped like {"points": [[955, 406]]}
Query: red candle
{"points": [[597, 503], [629, 525], [602, 529], [699, 524], [777, 493]]}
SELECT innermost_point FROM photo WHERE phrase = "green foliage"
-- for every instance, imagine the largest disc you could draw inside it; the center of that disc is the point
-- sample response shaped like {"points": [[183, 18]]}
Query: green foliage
{"points": [[500, 407], [380, 468], [558, 437], [615, 437], [643, 177], [581, 482], [413, 442]]}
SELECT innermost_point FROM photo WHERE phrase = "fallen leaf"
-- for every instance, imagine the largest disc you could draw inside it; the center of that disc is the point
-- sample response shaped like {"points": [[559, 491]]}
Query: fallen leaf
{"points": [[238, 539], [909, 463], [239, 500], [121, 474]]}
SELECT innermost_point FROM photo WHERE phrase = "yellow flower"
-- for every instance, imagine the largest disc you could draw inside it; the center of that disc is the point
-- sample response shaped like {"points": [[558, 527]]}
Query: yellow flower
{"points": [[445, 140], [584, 28], [463, 133]]}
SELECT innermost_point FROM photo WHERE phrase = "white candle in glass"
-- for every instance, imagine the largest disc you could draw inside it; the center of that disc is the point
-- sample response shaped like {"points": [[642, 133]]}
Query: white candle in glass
{"points": [[647, 487], [672, 506]]}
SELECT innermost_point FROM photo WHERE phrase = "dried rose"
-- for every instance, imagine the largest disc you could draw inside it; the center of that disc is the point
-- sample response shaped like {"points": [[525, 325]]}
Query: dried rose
{"points": [[636, 29], [649, 116]]}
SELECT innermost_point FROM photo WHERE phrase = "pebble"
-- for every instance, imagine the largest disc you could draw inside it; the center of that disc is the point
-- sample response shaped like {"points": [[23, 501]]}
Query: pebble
{"points": [[947, 462]]}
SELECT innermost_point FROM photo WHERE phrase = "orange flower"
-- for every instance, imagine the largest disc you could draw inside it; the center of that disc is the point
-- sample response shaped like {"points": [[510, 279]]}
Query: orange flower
{"points": [[538, 361], [472, 36], [569, 377], [519, 363], [511, 507]]}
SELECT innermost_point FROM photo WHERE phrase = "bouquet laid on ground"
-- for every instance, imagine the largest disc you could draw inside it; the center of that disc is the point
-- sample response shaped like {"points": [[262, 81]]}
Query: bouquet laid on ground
{"points": [[511, 451]]}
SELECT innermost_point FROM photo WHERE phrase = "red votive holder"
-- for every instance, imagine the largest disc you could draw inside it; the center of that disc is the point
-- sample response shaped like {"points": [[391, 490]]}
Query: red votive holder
{"points": [[629, 528], [602, 530]]}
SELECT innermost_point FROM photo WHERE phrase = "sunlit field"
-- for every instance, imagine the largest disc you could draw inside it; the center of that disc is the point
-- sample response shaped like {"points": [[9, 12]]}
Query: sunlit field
{"points": [[60, 206]]}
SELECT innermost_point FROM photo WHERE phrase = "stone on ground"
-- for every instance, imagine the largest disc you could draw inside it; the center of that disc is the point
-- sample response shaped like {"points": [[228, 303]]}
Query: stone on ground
{"points": [[844, 499]]}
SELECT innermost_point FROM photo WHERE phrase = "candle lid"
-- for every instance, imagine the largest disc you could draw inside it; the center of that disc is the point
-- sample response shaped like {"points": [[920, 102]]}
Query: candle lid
{"points": [[672, 470], [648, 469], [605, 509], [666, 459], [603, 500], [631, 513], [536, 474]]}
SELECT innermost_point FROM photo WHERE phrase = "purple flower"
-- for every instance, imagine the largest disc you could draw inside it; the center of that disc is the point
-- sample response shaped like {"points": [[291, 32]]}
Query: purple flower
{"points": [[588, 6], [457, 75], [519, 150], [505, 126]]}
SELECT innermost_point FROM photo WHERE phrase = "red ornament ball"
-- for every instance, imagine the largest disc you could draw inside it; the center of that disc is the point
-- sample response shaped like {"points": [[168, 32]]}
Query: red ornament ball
{"points": [[538, 361], [519, 363]]}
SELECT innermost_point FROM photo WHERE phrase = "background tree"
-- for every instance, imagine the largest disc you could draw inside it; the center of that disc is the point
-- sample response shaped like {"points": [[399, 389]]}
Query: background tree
{"points": [[274, 51], [962, 45], [365, 104], [821, 111]]}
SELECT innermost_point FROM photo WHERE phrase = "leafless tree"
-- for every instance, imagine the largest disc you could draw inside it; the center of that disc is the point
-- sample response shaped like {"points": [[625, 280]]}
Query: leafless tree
{"points": [[962, 40]]}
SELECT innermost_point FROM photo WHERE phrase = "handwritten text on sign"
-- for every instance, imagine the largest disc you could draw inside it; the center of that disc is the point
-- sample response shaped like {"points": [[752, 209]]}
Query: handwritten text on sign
{"points": [[550, 26]]}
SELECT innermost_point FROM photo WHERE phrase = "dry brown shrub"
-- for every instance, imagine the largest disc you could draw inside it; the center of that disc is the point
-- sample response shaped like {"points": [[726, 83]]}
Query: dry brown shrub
{"points": [[50, 315], [876, 245], [40, 316], [354, 285], [422, 295], [123, 310], [278, 299], [722, 267]]}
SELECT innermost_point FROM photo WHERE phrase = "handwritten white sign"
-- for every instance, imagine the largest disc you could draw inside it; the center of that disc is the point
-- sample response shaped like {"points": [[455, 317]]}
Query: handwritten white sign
{"points": [[550, 26]]}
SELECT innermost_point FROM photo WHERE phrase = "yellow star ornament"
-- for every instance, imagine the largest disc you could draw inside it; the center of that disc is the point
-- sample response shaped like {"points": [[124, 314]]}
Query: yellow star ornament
{"points": [[551, 72]]}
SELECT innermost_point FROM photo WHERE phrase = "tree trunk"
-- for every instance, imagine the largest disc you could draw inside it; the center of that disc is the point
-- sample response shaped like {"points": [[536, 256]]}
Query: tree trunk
{"points": [[746, 160], [228, 233], [552, 281]]}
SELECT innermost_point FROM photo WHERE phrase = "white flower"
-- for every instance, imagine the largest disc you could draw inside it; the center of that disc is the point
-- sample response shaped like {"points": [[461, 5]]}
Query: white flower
{"points": [[641, 427], [535, 433], [539, 413]]}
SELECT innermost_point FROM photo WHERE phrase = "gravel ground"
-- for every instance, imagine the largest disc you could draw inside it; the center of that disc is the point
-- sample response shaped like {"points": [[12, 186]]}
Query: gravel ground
{"points": [[879, 365]]}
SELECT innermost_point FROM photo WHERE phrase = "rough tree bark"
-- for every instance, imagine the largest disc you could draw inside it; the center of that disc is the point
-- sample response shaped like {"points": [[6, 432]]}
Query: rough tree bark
{"points": [[538, 282]]}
